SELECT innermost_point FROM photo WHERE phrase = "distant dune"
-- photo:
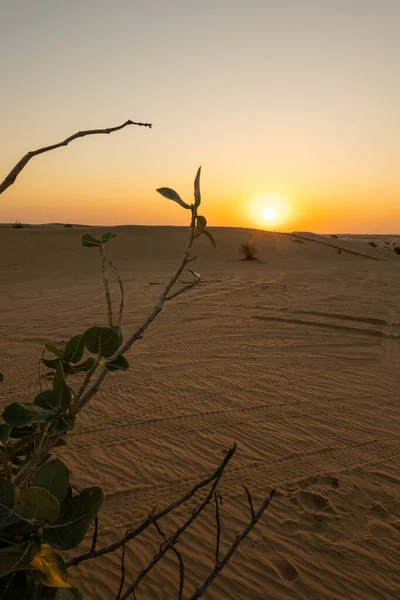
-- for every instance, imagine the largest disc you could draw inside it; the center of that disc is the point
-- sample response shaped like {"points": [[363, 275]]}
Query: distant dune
{"points": [[294, 356]]}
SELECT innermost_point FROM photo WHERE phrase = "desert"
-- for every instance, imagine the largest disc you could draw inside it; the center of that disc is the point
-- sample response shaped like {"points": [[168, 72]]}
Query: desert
{"points": [[294, 357]]}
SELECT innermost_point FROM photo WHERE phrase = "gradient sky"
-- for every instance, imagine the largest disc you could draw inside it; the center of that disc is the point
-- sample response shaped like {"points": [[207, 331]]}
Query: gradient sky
{"points": [[290, 103]]}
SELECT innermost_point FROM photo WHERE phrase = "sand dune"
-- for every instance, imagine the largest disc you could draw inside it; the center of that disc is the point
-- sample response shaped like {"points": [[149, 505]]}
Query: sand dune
{"points": [[295, 357]]}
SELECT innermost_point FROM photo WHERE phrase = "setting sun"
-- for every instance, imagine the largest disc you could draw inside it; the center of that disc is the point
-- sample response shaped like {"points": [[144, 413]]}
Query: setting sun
{"points": [[269, 213], [270, 208]]}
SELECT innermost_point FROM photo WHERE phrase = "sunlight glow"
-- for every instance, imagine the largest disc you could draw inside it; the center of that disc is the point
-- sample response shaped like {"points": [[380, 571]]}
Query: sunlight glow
{"points": [[272, 208], [269, 213]]}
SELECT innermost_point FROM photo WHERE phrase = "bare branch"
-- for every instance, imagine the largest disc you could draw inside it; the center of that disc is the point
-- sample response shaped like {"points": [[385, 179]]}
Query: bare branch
{"points": [[13, 174], [180, 559], [121, 289], [95, 534], [218, 501], [239, 538], [155, 517], [123, 572], [173, 538], [250, 501]]}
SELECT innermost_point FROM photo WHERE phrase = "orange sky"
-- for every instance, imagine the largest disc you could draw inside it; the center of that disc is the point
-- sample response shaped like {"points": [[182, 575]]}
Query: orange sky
{"points": [[291, 104]]}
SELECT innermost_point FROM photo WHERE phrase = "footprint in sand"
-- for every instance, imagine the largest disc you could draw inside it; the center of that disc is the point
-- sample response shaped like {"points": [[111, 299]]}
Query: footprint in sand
{"points": [[285, 569]]}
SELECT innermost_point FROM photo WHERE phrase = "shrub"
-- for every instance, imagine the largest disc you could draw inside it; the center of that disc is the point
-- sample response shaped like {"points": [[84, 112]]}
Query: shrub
{"points": [[396, 249], [249, 250], [334, 236], [339, 251], [373, 244], [41, 512], [17, 225], [68, 225]]}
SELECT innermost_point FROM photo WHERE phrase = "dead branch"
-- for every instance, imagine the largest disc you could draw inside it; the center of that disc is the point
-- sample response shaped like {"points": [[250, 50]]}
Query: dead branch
{"points": [[155, 516], [239, 538], [123, 572], [218, 502], [95, 534], [180, 559], [13, 174], [173, 538], [250, 501]]}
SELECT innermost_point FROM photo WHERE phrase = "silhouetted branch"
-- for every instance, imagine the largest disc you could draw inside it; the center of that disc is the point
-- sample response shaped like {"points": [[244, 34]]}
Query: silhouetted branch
{"points": [[121, 585], [180, 559], [173, 538], [218, 501], [155, 517], [239, 538], [95, 534], [13, 174], [250, 501]]}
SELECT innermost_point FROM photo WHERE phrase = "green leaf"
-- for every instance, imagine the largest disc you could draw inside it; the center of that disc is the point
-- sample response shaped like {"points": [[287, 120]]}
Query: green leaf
{"points": [[86, 365], [53, 477], [19, 414], [51, 567], [51, 363], [5, 431], [8, 498], [118, 329], [103, 341], [17, 528], [107, 236], [201, 222], [197, 196], [65, 423], [47, 399], [76, 517], [119, 364], [210, 237], [172, 195], [74, 349], [17, 558], [37, 503], [17, 585], [88, 240], [54, 350], [61, 389], [62, 594]]}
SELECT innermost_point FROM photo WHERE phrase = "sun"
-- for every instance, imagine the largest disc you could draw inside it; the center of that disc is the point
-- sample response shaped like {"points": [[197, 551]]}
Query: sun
{"points": [[269, 213]]}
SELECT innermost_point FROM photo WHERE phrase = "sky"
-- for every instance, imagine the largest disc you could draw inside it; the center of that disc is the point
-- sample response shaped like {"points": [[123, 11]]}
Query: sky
{"points": [[291, 107]]}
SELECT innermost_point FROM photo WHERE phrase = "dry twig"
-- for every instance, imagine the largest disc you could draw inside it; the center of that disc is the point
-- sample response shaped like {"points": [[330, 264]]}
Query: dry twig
{"points": [[13, 174]]}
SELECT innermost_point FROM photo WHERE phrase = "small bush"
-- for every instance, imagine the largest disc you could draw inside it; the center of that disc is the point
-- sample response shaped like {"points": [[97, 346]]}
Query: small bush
{"points": [[339, 251], [334, 236], [17, 225], [396, 249], [68, 225], [373, 244], [249, 250]]}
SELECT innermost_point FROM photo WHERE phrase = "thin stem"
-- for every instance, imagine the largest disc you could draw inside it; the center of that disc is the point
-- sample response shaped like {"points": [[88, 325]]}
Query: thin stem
{"points": [[218, 501], [95, 534], [150, 318], [106, 286], [121, 289]]}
